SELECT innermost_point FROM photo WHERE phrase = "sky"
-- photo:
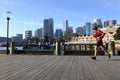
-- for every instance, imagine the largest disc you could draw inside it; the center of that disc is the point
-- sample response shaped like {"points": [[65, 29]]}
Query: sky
{"points": [[29, 14]]}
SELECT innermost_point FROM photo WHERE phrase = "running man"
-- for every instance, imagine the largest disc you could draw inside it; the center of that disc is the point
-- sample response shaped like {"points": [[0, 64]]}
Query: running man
{"points": [[98, 34]]}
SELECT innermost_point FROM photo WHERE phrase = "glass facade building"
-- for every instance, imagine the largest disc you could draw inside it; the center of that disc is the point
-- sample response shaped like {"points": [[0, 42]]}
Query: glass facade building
{"points": [[58, 33], [39, 33], [48, 27], [65, 27], [88, 28], [28, 34]]}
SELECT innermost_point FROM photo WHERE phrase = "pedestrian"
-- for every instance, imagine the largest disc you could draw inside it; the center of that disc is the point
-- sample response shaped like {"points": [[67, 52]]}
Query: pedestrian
{"points": [[98, 34]]}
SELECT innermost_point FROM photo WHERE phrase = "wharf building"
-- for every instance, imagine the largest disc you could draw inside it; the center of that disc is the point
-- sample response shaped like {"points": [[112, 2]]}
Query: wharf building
{"points": [[110, 31]]}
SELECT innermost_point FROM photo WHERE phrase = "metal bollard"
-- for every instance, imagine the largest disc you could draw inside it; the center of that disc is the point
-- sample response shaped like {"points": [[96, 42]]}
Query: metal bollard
{"points": [[12, 48], [111, 47], [56, 48]]}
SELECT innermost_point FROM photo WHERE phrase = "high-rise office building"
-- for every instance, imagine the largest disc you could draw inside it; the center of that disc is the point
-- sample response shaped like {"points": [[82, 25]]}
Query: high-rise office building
{"points": [[106, 23], [112, 22], [39, 33], [91, 29], [20, 36], [88, 28], [80, 30], [48, 27], [58, 33], [65, 27], [28, 34], [98, 22], [18, 39]]}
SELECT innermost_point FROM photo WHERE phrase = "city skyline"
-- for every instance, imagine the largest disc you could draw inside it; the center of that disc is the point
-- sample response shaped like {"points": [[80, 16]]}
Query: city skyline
{"points": [[29, 15]]}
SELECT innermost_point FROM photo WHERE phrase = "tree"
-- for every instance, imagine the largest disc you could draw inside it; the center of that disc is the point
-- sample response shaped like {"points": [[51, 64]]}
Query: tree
{"points": [[35, 39], [61, 39], [117, 35]]}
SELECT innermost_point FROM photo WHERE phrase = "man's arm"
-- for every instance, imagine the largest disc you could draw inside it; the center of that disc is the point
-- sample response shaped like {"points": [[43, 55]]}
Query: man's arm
{"points": [[103, 34]]}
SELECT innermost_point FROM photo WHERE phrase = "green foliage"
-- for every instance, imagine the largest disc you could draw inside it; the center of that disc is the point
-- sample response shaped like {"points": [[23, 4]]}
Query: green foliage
{"points": [[35, 39], [61, 39], [117, 35]]}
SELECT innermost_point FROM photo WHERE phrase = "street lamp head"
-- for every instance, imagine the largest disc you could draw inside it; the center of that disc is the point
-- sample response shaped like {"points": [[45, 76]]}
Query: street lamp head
{"points": [[8, 15]]}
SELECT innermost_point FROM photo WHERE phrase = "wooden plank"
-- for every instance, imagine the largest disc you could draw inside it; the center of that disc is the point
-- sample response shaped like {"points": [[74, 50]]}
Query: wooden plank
{"points": [[107, 70], [95, 70], [73, 72], [46, 72], [67, 70], [80, 74], [32, 67], [21, 74], [13, 71], [86, 70], [60, 70], [44, 69], [37, 69], [52, 73]]}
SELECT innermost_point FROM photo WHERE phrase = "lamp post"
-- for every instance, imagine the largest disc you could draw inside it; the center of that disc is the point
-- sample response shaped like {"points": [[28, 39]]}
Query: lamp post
{"points": [[8, 15]]}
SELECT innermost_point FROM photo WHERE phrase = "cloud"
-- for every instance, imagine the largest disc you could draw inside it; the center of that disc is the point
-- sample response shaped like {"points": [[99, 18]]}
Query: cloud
{"points": [[28, 23], [11, 2]]}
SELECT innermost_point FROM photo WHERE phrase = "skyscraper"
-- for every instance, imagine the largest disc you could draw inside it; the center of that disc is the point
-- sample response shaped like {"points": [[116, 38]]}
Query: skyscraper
{"points": [[28, 34], [65, 27], [98, 22], [106, 23], [20, 36], [58, 33], [80, 30], [39, 33], [18, 39], [88, 28], [112, 22], [48, 27]]}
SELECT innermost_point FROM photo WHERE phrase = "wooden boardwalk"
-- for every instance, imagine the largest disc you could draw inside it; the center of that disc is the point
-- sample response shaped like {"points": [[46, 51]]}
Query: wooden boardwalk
{"points": [[46, 67]]}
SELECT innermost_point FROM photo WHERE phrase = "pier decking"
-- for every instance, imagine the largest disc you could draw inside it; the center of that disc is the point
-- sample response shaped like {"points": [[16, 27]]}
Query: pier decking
{"points": [[49, 67]]}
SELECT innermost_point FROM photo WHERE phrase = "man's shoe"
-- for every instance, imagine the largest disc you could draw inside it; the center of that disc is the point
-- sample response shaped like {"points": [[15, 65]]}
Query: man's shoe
{"points": [[109, 55], [94, 58]]}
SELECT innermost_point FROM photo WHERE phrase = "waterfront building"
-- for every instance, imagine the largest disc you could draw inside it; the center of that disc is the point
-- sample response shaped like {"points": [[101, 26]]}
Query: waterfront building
{"points": [[79, 31], [18, 39], [39, 33], [98, 22], [28, 34], [2, 39], [65, 27], [88, 28], [112, 23], [106, 23], [58, 33], [20, 36], [48, 27], [110, 31]]}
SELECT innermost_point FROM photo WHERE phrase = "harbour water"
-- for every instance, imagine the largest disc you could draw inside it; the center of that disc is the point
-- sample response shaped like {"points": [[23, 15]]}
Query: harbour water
{"points": [[18, 48]]}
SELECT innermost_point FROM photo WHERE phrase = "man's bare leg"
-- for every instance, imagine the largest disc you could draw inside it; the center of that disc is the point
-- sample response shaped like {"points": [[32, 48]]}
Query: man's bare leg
{"points": [[95, 51], [104, 49], [106, 52]]}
